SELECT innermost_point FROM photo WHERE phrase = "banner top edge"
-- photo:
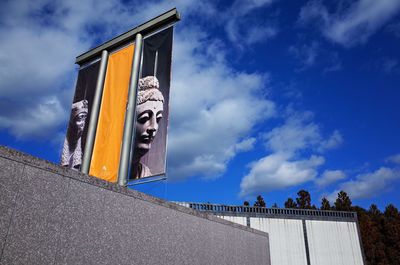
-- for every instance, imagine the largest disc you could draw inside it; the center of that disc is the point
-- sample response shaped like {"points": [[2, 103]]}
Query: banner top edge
{"points": [[154, 24]]}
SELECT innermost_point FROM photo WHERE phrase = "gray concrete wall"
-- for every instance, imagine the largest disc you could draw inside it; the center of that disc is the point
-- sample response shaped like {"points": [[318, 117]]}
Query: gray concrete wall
{"points": [[52, 215]]}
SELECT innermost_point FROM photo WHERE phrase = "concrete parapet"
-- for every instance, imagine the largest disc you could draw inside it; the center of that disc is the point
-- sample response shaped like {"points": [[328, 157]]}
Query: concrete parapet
{"points": [[53, 215]]}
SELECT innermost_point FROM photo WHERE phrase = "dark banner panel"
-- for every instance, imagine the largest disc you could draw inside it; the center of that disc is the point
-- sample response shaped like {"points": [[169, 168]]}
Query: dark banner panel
{"points": [[149, 150], [110, 126], [80, 114]]}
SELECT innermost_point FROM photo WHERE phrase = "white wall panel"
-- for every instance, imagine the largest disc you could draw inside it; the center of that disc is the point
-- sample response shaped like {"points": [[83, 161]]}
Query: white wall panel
{"points": [[333, 243], [286, 239], [185, 204], [235, 219]]}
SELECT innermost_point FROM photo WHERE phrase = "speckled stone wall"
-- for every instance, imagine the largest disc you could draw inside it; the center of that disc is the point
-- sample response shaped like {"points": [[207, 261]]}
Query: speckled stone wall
{"points": [[51, 215]]}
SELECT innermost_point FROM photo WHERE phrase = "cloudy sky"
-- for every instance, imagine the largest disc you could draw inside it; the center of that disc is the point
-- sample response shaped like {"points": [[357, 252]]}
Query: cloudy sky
{"points": [[268, 96]]}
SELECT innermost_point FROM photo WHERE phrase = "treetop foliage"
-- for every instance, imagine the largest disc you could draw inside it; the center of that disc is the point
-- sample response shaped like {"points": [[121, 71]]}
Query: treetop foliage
{"points": [[259, 202]]}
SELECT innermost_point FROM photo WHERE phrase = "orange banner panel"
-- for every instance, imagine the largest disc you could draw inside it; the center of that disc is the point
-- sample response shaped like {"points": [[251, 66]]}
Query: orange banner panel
{"points": [[107, 147]]}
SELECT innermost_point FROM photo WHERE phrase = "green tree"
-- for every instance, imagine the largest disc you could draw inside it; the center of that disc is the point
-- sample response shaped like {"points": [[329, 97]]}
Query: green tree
{"points": [[325, 205], [246, 203], [303, 200], [290, 203], [259, 202], [371, 236], [374, 212], [391, 212], [391, 232], [343, 202]]}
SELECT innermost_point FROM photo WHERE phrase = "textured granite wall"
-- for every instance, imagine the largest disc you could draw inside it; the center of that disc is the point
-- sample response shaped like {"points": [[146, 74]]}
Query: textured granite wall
{"points": [[51, 215]]}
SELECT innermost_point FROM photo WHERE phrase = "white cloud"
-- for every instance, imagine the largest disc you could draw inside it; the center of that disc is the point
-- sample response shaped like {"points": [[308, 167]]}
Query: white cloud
{"points": [[298, 133], [331, 197], [395, 159], [306, 54], [242, 8], [249, 36], [246, 144], [335, 140], [46, 114], [353, 25], [369, 185], [213, 108], [278, 171], [314, 55], [37, 61], [240, 27], [329, 177], [288, 165]]}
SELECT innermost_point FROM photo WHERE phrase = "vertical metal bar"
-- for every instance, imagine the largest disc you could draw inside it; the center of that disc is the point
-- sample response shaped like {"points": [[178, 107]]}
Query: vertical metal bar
{"points": [[130, 120], [94, 116], [155, 64], [306, 242]]}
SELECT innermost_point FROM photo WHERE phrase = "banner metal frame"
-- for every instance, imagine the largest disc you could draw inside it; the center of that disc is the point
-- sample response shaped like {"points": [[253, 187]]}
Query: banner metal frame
{"points": [[94, 116], [144, 29], [130, 120]]}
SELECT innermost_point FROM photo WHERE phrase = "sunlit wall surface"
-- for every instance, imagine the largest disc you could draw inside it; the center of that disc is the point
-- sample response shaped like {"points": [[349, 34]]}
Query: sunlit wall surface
{"points": [[286, 239], [235, 219], [332, 243]]}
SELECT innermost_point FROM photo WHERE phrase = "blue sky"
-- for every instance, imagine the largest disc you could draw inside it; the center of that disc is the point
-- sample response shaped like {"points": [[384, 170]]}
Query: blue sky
{"points": [[268, 96]]}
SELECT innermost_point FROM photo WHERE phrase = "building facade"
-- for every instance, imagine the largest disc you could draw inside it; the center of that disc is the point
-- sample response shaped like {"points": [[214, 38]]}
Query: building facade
{"points": [[299, 236]]}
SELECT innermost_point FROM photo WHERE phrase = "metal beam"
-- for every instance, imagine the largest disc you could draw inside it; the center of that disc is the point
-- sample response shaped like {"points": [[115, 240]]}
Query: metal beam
{"points": [[94, 115], [130, 119], [144, 29]]}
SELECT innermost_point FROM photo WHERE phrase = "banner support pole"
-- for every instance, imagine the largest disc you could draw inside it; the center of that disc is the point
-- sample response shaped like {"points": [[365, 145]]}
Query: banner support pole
{"points": [[130, 119], [94, 115]]}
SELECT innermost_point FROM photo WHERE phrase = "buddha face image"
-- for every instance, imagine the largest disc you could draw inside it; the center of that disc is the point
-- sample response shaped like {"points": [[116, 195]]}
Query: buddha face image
{"points": [[79, 123], [78, 120], [72, 150], [149, 114]]}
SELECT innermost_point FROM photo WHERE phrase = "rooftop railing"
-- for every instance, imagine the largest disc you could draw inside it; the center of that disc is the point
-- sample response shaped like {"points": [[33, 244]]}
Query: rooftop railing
{"points": [[271, 212]]}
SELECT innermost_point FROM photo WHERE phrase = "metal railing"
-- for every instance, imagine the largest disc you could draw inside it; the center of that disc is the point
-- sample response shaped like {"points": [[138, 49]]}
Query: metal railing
{"points": [[275, 212]]}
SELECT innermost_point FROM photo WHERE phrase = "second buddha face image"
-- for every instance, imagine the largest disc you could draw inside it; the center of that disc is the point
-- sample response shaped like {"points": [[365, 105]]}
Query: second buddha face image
{"points": [[149, 114]]}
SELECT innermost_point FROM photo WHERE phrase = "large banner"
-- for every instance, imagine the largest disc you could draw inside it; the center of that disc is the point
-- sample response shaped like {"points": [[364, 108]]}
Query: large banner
{"points": [[148, 151], [152, 112], [75, 139], [110, 126]]}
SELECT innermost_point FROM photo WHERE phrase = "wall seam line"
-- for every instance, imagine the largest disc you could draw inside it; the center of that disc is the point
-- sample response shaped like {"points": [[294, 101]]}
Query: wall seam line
{"points": [[306, 242]]}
